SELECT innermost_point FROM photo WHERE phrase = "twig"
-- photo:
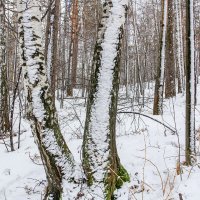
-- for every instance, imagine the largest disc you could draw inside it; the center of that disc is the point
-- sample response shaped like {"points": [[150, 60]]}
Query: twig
{"points": [[157, 171], [137, 113]]}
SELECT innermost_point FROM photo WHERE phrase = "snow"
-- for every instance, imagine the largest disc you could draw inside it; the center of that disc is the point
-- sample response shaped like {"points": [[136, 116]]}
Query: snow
{"points": [[35, 81], [148, 150], [138, 138]]}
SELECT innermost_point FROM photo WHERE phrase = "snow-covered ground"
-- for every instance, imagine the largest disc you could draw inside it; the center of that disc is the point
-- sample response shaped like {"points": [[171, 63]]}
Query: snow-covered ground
{"points": [[148, 150]]}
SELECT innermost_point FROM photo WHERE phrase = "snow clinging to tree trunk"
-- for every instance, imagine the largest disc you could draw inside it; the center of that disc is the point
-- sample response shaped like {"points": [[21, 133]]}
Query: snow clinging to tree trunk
{"points": [[57, 158], [99, 126]]}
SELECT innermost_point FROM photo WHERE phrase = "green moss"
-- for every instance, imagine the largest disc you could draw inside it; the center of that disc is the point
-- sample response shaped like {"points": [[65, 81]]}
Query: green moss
{"points": [[115, 182], [123, 176]]}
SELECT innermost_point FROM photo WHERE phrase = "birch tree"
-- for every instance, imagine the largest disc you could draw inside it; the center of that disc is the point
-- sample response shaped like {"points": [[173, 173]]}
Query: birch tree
{"points": [[56, 156], [190, 85], [158, 95], [179, 40], [101, 163]]}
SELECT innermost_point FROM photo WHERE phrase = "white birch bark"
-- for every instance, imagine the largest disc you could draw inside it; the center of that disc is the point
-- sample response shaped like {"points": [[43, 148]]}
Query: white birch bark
{"points": [[57, 158], [159, 85], [162, 67], [49, 39], [179, 38]]}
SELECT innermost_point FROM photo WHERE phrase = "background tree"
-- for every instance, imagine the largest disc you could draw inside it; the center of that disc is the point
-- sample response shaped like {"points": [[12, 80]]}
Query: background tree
{"points": [[170, 74], [4, 89], [190, 85], [158, 95], [51, 51]]}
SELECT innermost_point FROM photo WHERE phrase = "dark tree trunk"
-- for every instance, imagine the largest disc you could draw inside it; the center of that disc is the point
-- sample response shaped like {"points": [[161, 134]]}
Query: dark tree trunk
{"points": [[190, 87], [170, 89]]}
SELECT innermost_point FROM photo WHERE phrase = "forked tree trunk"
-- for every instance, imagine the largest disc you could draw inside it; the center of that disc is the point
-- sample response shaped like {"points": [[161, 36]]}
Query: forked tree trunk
{"points": [[57, 158], [100, 159]]}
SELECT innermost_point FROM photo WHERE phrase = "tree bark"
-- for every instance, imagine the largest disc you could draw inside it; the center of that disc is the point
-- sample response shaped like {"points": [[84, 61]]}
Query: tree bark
{"points": [[170, 89], [56, 156], [52, 43], [4, 89], [100, 159], [158, 94], [190, 86]]}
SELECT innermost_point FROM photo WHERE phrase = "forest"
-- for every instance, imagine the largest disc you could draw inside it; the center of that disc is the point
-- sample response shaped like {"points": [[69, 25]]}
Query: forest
{"points": [[99, 99]]}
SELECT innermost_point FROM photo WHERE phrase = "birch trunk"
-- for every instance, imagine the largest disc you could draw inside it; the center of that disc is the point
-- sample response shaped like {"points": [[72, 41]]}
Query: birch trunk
{"points": [[100, 159], [158, 95], [56, 156]]}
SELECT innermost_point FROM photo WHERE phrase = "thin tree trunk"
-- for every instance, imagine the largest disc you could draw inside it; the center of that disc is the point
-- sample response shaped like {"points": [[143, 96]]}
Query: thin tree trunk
{"points": [[170, 89], [52, 43], [158, 94], [190, 85], [74, 42]]}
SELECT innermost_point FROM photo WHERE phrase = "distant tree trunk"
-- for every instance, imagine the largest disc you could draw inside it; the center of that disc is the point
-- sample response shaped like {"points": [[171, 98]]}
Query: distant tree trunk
{"points": [[179, 40], [74, 42], [2, 57], [158, 94], [64, 46], [56, 157], [4, 89], [52, 43], [170, 75], [73, 50], [190, 85], [100, 159]]}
